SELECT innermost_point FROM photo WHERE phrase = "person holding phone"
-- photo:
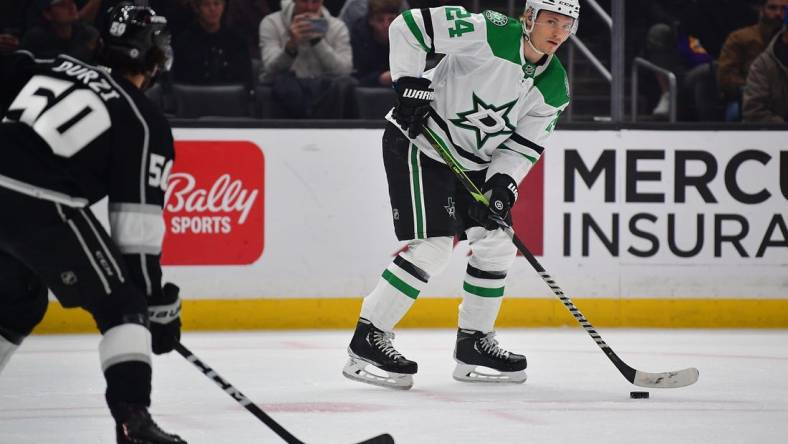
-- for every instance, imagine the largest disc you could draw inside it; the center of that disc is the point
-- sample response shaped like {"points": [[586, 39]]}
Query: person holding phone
{"points": [[13, 16], [307, 57], [209, 52]]}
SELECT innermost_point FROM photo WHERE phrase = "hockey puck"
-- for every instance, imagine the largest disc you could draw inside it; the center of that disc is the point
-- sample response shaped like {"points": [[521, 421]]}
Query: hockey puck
{"points": [[638, 395]]}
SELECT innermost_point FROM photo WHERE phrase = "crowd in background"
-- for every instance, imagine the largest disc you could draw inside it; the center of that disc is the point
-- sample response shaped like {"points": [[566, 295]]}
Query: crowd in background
{"points": [[729, 56], [310, 57]]}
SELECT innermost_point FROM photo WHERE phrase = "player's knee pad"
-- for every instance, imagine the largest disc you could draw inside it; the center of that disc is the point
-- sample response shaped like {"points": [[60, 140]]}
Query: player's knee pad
{"points": [[125, 305], [125, 343], [7, 348], [431, 254], [491, 250]]}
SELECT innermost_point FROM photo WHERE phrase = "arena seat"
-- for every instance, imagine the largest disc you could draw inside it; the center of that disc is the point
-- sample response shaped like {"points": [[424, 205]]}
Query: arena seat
{"points": [[193, 101], [374, 103]]}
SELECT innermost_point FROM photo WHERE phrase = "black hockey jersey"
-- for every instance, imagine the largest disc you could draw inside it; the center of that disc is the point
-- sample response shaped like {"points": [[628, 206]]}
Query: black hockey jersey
{"points": [[71, 133]]}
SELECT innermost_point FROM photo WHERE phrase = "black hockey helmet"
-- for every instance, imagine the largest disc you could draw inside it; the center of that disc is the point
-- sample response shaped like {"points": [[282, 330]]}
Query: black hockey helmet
{"points": [[135, 37]]}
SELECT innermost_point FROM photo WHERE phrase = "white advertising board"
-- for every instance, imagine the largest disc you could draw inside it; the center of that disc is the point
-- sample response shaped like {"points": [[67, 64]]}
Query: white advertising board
{"points": [[625, 214]]}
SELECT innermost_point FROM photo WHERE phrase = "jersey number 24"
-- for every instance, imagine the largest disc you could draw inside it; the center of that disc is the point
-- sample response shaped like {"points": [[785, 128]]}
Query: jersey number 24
{"points": [[457, 14]]}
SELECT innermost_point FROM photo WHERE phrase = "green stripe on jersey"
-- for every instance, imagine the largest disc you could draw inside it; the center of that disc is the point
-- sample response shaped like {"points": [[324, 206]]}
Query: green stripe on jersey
{"points": [[414, 28], [400, 285], [531, 159], [482, 291], [553, 84], [504, 40], [418, 198]]}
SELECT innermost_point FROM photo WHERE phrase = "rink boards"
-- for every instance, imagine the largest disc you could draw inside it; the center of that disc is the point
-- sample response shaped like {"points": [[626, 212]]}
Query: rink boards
{"points": [[289, 228]]}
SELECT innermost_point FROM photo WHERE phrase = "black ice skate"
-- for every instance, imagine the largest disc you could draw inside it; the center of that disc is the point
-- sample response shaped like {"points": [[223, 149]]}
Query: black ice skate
{"points": [[475, 348], [371, 345], [139, 428]]}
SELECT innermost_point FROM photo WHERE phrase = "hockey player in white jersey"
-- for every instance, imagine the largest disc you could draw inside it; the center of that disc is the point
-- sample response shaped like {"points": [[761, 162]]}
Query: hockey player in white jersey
{"points": [[493, 100]]}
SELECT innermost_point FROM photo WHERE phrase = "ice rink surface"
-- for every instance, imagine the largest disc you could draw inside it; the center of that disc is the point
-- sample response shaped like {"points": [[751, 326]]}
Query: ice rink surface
{"points": [[52, 390]]}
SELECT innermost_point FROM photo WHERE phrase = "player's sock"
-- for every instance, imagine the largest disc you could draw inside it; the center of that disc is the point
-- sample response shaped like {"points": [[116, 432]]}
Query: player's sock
{"points": [[395, 293], [125, 354], [481, 301]]}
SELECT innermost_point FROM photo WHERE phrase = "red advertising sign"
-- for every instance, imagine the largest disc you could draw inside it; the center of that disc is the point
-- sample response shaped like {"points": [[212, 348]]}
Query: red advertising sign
{"points": [[214, 204], [528, 212]]}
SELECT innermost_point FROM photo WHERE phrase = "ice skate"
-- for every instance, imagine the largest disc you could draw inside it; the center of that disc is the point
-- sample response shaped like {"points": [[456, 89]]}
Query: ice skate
{"points": [[371, 349], [139, 428], [476, 349]]}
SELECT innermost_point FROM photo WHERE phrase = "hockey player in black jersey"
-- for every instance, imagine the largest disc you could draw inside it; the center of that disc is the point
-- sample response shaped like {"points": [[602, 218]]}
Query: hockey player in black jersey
{"points": [[71, 134]]}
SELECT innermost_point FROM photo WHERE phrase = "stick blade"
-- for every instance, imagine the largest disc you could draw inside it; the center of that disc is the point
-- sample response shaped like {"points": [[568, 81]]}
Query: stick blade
{"points": [[380, 439], [680, 378]]}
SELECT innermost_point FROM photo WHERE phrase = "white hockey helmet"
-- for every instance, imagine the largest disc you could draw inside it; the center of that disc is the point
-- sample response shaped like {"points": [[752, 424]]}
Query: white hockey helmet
{"points": [[569, 8]]}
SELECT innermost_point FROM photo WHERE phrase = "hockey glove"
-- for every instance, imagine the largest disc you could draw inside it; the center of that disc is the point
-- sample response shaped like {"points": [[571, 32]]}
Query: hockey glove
{"points": [[413, 104], [501, 191], [164, 311]]}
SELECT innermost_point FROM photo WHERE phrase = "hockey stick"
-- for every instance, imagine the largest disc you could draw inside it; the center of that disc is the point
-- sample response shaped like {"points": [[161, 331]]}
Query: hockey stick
{"points": [[249, 405], [674, 379]]}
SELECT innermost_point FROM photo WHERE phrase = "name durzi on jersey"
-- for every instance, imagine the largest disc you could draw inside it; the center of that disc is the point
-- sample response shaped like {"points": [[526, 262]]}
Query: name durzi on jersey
{"points": [[90, 78]]}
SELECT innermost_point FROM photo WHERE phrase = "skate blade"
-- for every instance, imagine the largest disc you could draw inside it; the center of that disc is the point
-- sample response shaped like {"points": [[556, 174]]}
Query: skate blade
{"points": [[470, 373], [356, 370]]}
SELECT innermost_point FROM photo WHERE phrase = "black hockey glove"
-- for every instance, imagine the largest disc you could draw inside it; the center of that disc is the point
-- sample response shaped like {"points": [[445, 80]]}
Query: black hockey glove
{"points": [[164, 311], [501, 190], [413, 103]]}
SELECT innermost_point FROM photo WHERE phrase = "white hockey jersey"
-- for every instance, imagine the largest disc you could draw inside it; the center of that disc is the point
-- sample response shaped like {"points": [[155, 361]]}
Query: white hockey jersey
{"points": [[493, 108]]}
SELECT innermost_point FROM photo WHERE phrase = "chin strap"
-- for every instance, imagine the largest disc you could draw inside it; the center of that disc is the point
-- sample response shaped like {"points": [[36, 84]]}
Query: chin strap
{"points": [[528, 39]]}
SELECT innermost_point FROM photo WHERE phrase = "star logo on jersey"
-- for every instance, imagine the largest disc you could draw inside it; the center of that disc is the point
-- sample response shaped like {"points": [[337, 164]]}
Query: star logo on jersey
{"points": [[486, 120]]}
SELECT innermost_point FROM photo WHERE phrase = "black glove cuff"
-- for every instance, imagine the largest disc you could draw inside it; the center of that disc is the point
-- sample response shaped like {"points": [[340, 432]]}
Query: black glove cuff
{"points": [[505, 182], [414, 88], [166, 306], [164, 314]]}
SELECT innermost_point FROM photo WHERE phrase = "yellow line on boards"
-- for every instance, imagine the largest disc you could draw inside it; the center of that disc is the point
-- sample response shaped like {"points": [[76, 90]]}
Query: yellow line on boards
{"points": [[342, 313]]}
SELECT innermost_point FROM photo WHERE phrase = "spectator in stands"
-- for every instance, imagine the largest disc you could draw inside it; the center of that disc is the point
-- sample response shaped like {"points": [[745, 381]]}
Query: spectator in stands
{"points": [[467, 4], [740, 50], [369, 37], [766, 89], [14, 17], [207, 53], [306, 55], [711, 21], [354, 10], [690, 36], [90, 9], [244, 16], [333, 6], [61, 32]]}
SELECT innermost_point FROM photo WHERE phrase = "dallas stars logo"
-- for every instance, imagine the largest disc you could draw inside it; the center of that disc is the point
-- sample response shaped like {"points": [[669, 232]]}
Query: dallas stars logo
{"points": [[496, 18], [486, 120]]}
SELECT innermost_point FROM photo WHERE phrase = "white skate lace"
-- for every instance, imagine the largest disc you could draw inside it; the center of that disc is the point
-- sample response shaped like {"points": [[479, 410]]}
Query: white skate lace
{"points": [[382, 341], [490, 345]]}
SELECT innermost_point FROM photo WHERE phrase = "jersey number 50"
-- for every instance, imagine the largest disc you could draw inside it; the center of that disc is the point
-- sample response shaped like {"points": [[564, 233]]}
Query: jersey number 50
{"points": [[66, 120]]}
